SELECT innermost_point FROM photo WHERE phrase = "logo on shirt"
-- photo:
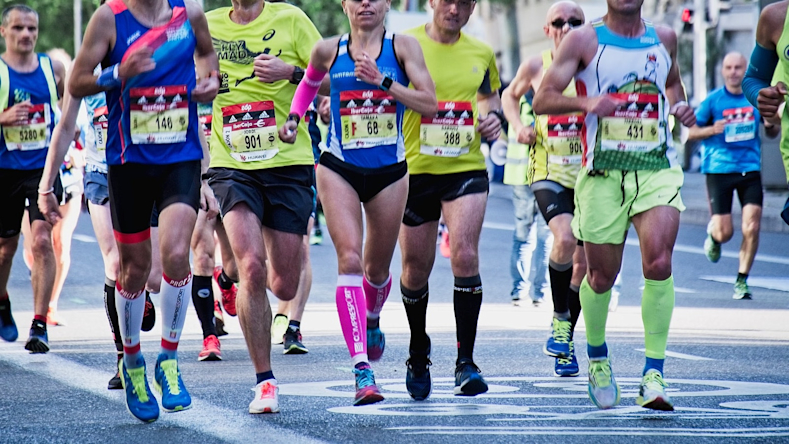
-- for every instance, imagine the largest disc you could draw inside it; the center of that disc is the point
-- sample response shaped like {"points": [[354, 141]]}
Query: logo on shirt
{"points": [[236, 51], [132, 38], [21, 95]]}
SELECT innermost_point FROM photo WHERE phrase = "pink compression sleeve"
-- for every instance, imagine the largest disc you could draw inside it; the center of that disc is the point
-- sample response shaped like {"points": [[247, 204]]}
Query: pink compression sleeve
{"points": [[307, 90]]}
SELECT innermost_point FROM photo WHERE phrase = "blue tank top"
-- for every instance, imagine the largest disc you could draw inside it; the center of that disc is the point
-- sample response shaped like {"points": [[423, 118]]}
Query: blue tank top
{"points": [[367, 123], [24, 146], [152, 119]]}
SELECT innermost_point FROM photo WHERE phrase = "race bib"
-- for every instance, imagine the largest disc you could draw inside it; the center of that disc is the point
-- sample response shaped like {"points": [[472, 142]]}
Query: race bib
{"points": [[100, 125], [250, 130], [740, 124], [450, 132], [368, 118], [31, 134], [564, 139], [159, 114], [632, 127]]}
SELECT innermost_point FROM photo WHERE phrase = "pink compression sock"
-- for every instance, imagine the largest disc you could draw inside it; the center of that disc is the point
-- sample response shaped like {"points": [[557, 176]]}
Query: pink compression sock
{"points": [[306, 91], [350, 303], [376, 295]]}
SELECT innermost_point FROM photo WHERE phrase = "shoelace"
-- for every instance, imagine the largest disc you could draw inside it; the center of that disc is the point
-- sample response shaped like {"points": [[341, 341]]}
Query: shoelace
{"points": [[561, 331], [137, 376], [171, 376], [267, 391], [600, 372], [416, 364], [364, 377], [654, 381]]}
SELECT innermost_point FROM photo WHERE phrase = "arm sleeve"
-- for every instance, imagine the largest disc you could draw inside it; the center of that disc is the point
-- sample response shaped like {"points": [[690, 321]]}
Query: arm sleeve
{"points": [[760, 72], [704, 113]]}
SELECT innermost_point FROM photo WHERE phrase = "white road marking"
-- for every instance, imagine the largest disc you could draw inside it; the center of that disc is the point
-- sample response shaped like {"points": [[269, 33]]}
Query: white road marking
{"points": [[778, 284], [233, 426], [682, 355], [84, 238], [596, 431], [678, 247]]}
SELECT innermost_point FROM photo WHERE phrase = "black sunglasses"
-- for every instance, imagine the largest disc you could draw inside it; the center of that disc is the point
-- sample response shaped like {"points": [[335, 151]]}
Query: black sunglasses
{"points": [[573, 22]]}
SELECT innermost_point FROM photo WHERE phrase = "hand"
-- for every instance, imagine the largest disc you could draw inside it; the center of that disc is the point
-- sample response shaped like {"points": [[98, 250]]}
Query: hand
{"points": [[526, 135], [270, 69], [208, 201], [489, 127], [603, 105], [289, 131], [49, 207], [367, 70], [770, 99], [138, 62], [16, 114], [685, 115], [718, 127], [206, 89]]}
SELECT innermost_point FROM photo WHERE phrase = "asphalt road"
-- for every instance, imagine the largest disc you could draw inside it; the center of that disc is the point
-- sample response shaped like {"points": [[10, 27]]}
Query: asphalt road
{"points": [[726, 366]]}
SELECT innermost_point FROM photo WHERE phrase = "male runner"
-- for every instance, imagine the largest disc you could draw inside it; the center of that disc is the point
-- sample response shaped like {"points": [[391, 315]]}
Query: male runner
{"points": [[731, 159], [555, 160], [628, 83], [30, 85], [769, 60], [447, 174], [264, 187], [151, 51]]}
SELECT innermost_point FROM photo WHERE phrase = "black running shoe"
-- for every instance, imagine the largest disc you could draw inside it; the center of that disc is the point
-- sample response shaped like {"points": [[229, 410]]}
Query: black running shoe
{"points": [[115, 382], [149, 317], [468, 379], [38, 342], [291, 340], [417, 377]]}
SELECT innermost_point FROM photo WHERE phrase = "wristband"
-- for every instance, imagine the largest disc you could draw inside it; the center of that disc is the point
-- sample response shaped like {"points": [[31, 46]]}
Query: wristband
{"points": [[500, 114], [297, 75], [205, 176], [49, 191], [294, 118], [677, 105], [386, 83], [109, 77]]}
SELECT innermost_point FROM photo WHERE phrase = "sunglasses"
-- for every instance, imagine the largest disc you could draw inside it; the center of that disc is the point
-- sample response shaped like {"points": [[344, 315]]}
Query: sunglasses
{"points": [[573, 22]]}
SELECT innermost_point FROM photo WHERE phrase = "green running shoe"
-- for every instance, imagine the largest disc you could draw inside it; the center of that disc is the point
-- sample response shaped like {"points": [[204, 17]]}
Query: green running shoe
{"points": [[603, 389], [741, 290], [652, 392]]}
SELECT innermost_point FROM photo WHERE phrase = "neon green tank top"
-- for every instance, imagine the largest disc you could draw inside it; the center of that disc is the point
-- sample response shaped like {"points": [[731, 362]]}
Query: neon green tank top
{"points": [[782, 74], [557, 153]]}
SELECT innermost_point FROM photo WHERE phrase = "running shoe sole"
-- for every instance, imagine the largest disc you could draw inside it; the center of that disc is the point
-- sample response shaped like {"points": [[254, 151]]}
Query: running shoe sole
{"points": [[553, 354], [295, 350], [115, 383], [471, 387], [658, 403], [158, 389], [210, 357], [369, 398], [36, 345]]}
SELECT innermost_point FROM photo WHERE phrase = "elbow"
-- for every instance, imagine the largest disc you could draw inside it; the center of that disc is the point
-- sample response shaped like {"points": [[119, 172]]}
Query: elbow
{"points": [[537, 105], [430, 106], [73, 88]]}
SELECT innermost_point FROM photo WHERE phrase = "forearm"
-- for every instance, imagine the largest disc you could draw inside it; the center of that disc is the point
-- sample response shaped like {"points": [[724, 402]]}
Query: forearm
{"points": [[84, 85], [551, 102], [423, 102], [700, 132], [206, 160], [760, 73], [60, 142], [206, 64], [489, 103], [511, 110]]}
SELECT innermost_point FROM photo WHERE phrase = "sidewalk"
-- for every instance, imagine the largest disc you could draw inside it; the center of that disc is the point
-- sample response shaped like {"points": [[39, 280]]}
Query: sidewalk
{"points": [[694, 195]]}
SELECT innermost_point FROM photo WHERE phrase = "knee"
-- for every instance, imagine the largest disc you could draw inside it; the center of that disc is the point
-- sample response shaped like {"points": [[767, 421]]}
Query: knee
{"points": [[252, 268], [349, 262], [658, 268], [41, 245], [8, 249], [600, 281], [750, 229], [283, 289], [465, 261], [175, 258], [136, 271], [565, 243]]}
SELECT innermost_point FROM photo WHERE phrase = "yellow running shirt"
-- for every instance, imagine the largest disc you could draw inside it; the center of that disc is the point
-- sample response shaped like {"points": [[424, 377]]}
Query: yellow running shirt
{"points": [[247, 112], [448, 142], [557, 153]]}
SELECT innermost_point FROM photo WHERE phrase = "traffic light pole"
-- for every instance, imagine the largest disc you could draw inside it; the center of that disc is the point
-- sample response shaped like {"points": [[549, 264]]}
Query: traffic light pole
{"points": [[699, 51]]}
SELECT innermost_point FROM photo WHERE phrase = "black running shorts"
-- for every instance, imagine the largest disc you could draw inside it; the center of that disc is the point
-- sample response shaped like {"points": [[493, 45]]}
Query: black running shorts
{"points": [[20, 188], [553, 198], [721, 187], [367, 182], [427, 191]]}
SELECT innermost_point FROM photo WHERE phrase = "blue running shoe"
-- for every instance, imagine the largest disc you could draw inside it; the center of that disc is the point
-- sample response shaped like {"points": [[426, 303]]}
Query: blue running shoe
{"points": [[366, 390], [38, 342], [468, 379], [168, 383], [139, 399], [558, 345], [417, 377], [8, 330], [603, 388], [376, 342], [565, 367]]}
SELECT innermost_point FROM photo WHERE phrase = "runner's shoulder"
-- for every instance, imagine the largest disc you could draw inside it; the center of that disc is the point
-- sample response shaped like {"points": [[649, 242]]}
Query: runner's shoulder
{"points": [[667, 36], [581, 41]]}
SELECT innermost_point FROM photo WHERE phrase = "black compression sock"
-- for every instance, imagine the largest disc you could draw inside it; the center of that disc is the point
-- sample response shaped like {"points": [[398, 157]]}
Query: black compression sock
{"points": [[415, 302], [112, 313], [467, 301], [575, 306], [203, 300], [560, 284], [225, 283]]}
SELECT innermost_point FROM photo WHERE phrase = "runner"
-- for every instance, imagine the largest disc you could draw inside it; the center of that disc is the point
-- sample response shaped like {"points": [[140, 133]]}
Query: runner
{"points": [[149, 51], [30, 85], [555, 161], [448, 176], [731, 159], [265, 188], [770, 58], [365, 167], [628, 83]]}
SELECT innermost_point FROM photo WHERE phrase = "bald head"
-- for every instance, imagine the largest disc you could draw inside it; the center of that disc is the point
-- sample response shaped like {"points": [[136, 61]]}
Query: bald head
{"points": [[733, 71], [562, 17], [563, 8]]}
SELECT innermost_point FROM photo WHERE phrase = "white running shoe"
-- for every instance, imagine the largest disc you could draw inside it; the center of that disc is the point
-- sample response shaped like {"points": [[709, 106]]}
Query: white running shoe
{"points": [[652, 392], [266, 397]]}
